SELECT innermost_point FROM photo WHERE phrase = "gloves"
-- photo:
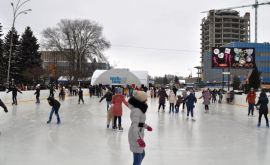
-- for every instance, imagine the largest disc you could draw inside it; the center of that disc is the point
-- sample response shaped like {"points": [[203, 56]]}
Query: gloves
{"points": [[6, 110], [141, 143], [149, 128]]}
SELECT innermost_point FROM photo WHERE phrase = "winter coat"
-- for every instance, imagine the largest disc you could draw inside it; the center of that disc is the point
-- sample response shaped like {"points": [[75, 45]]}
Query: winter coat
{"points": [[117, 101], [232, 95], [172, 98], [52, 90], [131, 90], [214, 94], [37, 92], [179, 100], [80, 93], [152, 92], [191, 99], [91, 90], [55, 104], [174, 90], [126, 90], [251, 97], [136, 130], [74, 87], [263, 101], [110, 112], [162, 97], [14, 91], [206, 96], [220, 95], [228, 95], [184, 94], [108, 96]]}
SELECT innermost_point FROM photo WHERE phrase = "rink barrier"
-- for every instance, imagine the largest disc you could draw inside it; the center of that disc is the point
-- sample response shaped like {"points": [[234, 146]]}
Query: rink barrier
{"points": [[28, 96]]}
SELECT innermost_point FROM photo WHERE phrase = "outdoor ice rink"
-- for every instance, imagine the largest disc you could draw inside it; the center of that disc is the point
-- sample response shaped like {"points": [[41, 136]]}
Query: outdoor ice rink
{"points": [[226, 136]]}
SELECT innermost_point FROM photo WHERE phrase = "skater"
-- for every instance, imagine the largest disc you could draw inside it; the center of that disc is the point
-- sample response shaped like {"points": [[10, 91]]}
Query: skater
{"points": [[152, 93], [108, 97], [74, 87], [37, 93], [171, 100], [110, 116], [80, 96], [126, 90], [52, 91], [138, 106], [251, 101], [263, 110], [55, 109], [214, 96], [91, 91], [162, 99], [184, 94], [228, 97], [131, 91], [98, 91], [178, 103], [220, 93], [117, 101], [190, 104], [4, 107], [175, 90], [232, 96], [155, 92], [206, 96], [14, 94]]}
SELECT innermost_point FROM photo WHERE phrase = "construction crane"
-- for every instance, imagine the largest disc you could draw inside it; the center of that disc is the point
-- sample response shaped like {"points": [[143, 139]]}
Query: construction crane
{"points": [[256, 6]]}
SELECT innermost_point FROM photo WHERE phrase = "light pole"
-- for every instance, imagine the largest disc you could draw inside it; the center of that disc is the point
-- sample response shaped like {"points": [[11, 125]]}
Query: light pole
{"points": [[15, 15]]}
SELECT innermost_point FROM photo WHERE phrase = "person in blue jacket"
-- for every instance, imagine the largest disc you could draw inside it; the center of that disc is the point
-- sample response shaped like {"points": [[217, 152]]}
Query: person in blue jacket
{"points": [[190, 104]]}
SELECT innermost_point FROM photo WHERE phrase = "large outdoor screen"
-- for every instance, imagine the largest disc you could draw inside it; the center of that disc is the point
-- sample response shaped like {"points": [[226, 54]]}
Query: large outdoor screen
{"points": [[228, 57]]}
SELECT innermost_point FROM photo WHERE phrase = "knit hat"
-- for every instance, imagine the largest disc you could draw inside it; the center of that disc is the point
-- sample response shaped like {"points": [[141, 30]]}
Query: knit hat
{"points": [[141, 96]]}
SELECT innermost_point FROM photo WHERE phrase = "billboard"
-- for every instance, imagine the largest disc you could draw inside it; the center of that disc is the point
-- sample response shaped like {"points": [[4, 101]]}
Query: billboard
{"points": [[228, 57]]}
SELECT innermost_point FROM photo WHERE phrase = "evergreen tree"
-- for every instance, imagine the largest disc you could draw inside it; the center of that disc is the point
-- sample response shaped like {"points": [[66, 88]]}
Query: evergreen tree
{"points": [[236, 83], [29, 53], [176, 80], [254, 79], [165, 80], [15, 60], [2, 68]]}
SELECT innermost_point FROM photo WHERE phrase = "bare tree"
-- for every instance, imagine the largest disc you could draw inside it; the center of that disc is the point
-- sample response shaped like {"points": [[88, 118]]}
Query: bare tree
{"points": [[35, 75], [79, 41]]}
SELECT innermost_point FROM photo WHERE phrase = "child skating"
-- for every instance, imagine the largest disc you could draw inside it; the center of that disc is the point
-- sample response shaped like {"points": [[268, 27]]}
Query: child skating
{"points": [[190, 104], [178, 103], [55, 109], [263, 110], [80, 96], [206, 96]]}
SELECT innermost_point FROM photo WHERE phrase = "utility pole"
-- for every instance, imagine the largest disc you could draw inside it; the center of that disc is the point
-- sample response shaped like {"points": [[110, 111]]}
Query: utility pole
{"points": [[15, 15]]}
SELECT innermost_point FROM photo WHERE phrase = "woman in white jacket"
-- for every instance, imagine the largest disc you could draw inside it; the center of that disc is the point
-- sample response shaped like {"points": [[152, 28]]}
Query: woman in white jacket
{"points": [[172, 100], [138, 106]]}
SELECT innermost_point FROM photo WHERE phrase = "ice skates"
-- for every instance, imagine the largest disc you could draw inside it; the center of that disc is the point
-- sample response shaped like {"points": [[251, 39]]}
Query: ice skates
{"points": [[120, 128], [193, 119], [259, 124], [59, 121], [267, 124], [49, 121]]}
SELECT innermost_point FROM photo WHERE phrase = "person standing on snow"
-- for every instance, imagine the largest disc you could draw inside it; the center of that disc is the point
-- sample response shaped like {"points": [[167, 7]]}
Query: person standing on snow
{"points": [[138, 106]]}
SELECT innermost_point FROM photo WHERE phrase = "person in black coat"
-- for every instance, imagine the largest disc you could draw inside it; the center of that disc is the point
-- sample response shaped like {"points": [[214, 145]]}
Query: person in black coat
{"points": [[14, 94], [52, 90], [37, 93], [91, 91], [174, 90], [55, 109], [263, 110], [80, 96], [98, 91], [108, 97]]}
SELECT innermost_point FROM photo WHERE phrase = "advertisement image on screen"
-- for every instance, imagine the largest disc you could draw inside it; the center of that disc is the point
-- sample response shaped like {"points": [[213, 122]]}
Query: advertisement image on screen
{"points": [[228, 57]]}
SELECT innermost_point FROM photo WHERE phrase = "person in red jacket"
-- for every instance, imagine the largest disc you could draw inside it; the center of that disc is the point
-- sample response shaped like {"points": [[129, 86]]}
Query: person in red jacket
{"points": [[251, 100], [117, 101]]}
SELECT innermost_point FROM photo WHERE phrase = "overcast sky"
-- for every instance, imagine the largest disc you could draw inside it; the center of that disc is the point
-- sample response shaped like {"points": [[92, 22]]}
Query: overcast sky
{"points": [[135, 26]]}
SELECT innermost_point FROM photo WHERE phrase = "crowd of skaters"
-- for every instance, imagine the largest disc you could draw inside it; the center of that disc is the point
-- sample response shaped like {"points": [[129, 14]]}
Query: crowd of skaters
{"points": [[137, 102]]}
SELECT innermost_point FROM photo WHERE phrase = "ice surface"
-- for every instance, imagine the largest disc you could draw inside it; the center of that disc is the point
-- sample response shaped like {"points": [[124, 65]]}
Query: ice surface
{"points": [[226, 136]]}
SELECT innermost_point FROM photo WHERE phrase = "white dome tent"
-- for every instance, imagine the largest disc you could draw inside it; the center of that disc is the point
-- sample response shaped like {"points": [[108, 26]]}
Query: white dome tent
{"points": [[119, 77]]}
